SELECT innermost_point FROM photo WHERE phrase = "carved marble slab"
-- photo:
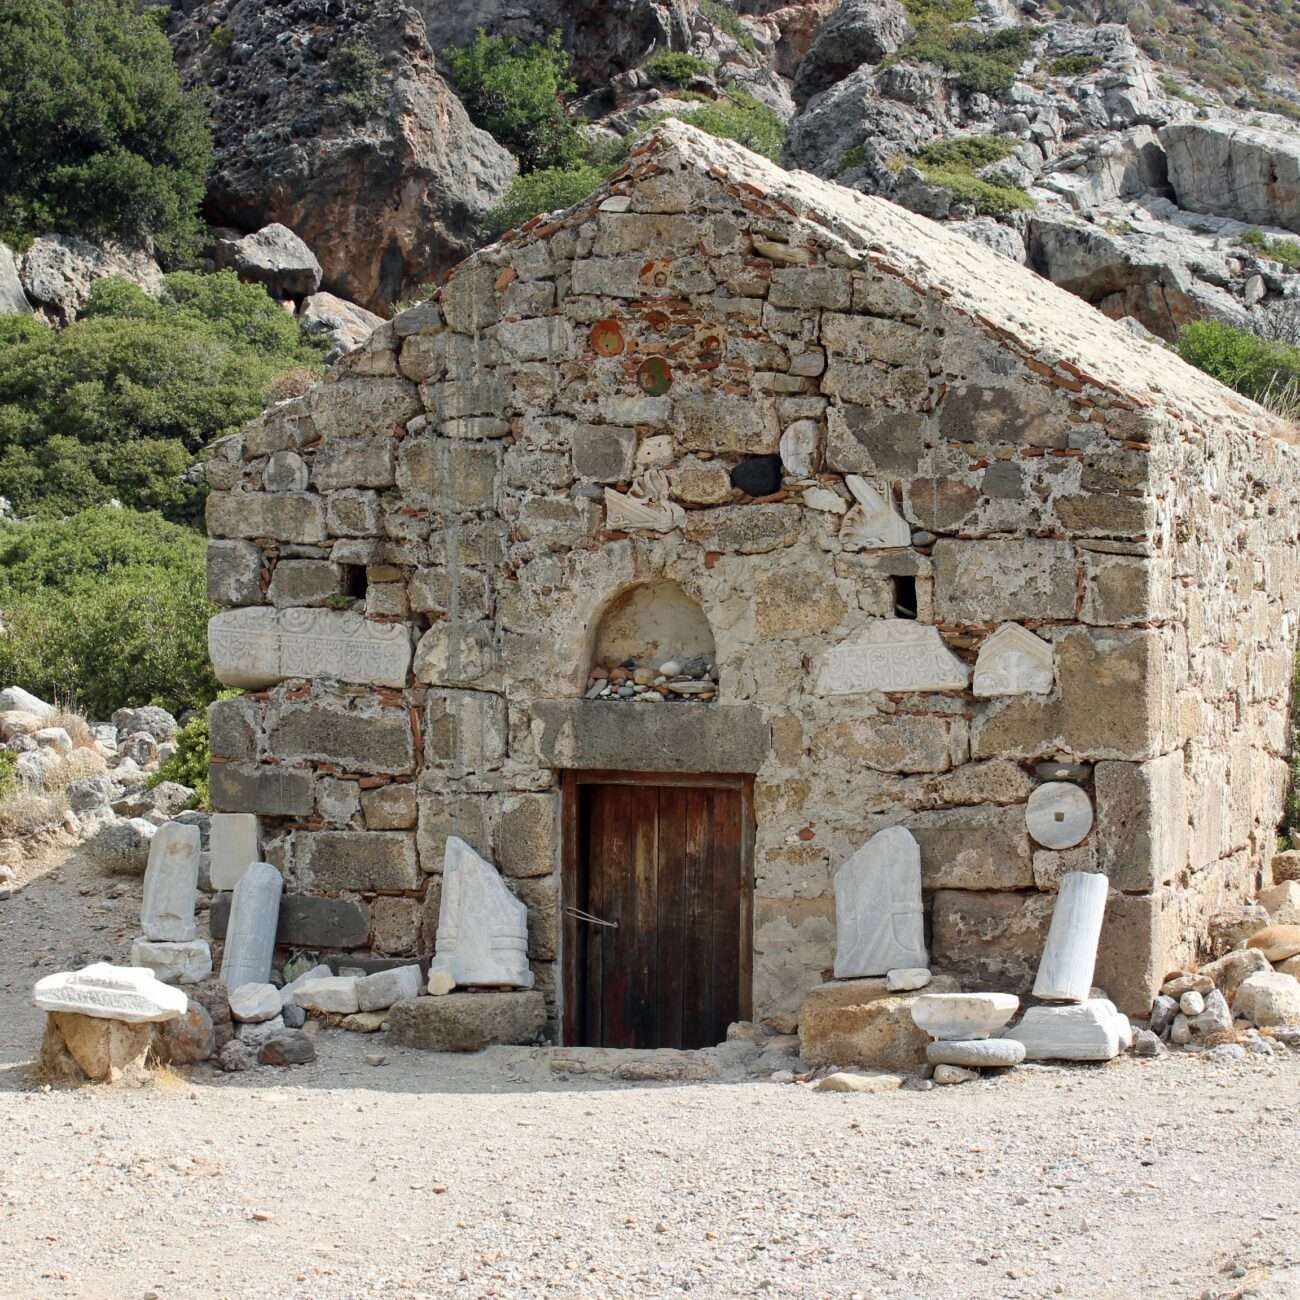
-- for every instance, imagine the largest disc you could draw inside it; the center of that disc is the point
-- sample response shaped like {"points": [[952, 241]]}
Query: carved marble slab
{"points": [[892, 654], [874, 522], [879, 926], [259, 646], [648, 508], [482, 927], [171, 883], [109, 992], [1014, 661]]}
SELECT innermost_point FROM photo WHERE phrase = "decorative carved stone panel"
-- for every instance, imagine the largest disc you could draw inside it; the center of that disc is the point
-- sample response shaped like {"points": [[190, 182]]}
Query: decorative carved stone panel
{"points": [[892, 654], [1014, 661]]}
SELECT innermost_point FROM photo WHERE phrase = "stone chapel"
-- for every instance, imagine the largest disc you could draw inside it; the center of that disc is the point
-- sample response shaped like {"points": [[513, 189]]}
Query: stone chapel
{"points": [[687, 538]]}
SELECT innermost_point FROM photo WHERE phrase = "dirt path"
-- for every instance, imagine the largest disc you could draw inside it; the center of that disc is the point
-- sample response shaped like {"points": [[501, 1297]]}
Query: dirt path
{"points": [[437, 1176]]}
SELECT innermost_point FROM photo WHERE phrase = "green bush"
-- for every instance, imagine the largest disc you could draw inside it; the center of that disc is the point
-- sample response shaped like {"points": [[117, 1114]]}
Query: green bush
{"points": [[964, 151], [106, 608], [1262, 369], [119, 404], [1286, 251], [189, 764], [97, 137], [359, 72], [1075, 65], [853, 157], [516, 93], [675, 69], [742, 118], [725, 21], [543, 191], [952, 163], [8, 773]]}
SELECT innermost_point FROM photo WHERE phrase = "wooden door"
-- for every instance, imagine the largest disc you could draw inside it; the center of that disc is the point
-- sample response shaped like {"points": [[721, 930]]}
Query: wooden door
{"points": [[668, 866]]}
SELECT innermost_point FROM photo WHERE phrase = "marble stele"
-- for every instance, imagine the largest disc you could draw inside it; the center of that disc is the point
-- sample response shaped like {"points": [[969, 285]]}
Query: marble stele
{"points": [[171, 882], [879, 925]]}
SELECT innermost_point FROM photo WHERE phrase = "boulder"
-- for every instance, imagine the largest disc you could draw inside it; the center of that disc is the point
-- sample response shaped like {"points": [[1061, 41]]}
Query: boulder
{"points": [[122, 846], [186, 1040], [1281, 901], [1276, 942], [1247, 173], [333, 995], [1286, 865], [185, 961], [89, 1047], [1268, 998], [1230, 971], [58, 272], [287, 1047], [160, 724], [15, 699], [1235, 925], [383, 988], [858, 32], [342, 324], [252, 1003], [468, 1022], [860, 1022], [276, 257], [13, 300]]}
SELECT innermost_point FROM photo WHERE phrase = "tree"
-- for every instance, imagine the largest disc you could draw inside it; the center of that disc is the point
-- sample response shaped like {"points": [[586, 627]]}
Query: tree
{"points": [[97, 137]]}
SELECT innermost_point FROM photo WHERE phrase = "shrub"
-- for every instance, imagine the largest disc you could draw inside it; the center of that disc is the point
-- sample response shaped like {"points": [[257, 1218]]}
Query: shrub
{"points": [[675, 69], [8, 773], [189, 764], [1075, 65], [725, 21], [1286, 251], [359, 72], [516, 93], [1262, 369], [118, 405], [964, 152], [853, 157], [951, 165], [96, 135], [742, 118], [106, 608], [543, 191], [984, 62]]}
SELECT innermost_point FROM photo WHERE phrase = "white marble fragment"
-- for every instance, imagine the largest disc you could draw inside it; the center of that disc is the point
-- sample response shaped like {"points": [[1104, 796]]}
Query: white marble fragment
{"points": [[384, 987], [110, 992], [1087, 1031], [250, 931], [316, 973], [891, 654], [1070, 953], [336, 994], [963, 1015], [482, 927], [171, 883], [440, 983], [1059, 815], [879, 925], [976, 1053], [906, 978], [820, 498], [798, 448], [174, 963], [647, 506], [1013, 661], [255, 1002], [874, 523], [232, 844]]}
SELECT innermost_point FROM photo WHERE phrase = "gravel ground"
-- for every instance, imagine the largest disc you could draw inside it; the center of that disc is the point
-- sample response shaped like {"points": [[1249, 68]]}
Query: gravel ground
{"points": [[438, 1176]]}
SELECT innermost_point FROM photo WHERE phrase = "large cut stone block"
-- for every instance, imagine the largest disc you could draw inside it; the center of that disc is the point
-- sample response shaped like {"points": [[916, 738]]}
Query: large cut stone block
{"points": [[356, 860], [353, 463], [307, 922], [359, 735], [234, 573], [174, 963], [859, 1022], [284, 516], [468, 1022], [891, 654], [270, 791], [704, 738], [879, 925], [1114, 699], [1143, 937], [232, 846], [986, 582], [257, 647], [448, 473], [233, 727], [990, 940], [357, 405], [526, 838], [718, 422], [442, 815], [466, 731], [974, 848], [901, 742], [1141, 821], [106, 992], [303, 582]]}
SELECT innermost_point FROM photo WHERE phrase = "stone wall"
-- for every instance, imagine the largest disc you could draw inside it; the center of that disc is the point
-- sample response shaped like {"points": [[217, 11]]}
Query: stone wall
{"points": [[419, 558]]}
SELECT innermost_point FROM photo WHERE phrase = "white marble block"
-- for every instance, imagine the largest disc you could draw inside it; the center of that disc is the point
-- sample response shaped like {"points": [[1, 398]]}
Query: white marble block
{"points": [[255, 1002], [233, 846], [879, 925], [171, 884], [333, 995], [482, 927], [1058, 815], [250, 932], [892, 654], [383, 988], [1013, 661], [111, 993], [1088, 1031], [1070, 953], [963, 1016], [174, 963], [316, 973]]}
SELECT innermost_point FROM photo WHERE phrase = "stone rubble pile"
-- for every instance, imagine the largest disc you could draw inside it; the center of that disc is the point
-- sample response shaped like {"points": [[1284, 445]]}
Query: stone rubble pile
{"points": [[693, 680]]}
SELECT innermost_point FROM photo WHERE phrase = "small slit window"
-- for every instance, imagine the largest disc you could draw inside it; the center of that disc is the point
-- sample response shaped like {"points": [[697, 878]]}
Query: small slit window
{"points": [[904, 597], [354, 581]]}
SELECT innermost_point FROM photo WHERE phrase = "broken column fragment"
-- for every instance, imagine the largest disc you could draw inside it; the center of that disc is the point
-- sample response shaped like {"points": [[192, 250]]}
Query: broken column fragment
{"points": [[250, 932], [1070, 954]]}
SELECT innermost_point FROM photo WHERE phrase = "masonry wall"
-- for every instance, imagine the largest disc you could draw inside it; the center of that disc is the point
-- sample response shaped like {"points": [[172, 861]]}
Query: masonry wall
{"points": [[457, 469]]}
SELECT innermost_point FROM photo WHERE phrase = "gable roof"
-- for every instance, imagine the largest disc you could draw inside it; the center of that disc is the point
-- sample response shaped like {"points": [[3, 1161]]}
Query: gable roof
{"points": [[1056, 333]]}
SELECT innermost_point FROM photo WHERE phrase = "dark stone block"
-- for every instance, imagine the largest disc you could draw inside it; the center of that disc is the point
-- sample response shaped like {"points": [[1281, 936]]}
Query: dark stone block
{"points": [[271, 791], [759, 476], [307, 922]]}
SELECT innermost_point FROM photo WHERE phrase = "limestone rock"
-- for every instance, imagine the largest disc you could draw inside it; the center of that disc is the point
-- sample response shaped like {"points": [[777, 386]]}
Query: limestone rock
{"points": [[318, 972], [1282, 902], [859, 1022], [1233, 926], [126, 993], [335, 994], [978, 1053], [878, 919], [256, 1032], [345, 325], [482, 927], [121, 846], [58, 272], [383, 988], [857, 32], [109, 1051], [276, 257], [963, 1016], [186, 1040], [1089, 1031], [171, 884], [1248, 173], [1228, 973], [251, 1003], [1286, 865], [907, 979], [237, 1056], [1268, 998], [944, 1074], [287, 1047], [844, 1081], [233, 844], [364, 1022], [174, 963], [468, 1022], [1214, 1021], [1276, 942], [250, 932], [13, 299]]}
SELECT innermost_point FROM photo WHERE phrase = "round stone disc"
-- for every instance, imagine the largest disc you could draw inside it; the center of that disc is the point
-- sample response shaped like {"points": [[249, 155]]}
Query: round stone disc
{"points": [[606, 338], [1058, 815], [654, 376]]}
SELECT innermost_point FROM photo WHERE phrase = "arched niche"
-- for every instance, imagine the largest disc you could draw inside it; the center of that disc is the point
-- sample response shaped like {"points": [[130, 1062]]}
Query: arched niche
{"points": [[653, 624]]}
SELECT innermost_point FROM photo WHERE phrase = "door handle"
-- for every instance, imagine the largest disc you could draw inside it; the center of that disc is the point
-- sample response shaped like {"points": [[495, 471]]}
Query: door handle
{"points": [[579, 915]]}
